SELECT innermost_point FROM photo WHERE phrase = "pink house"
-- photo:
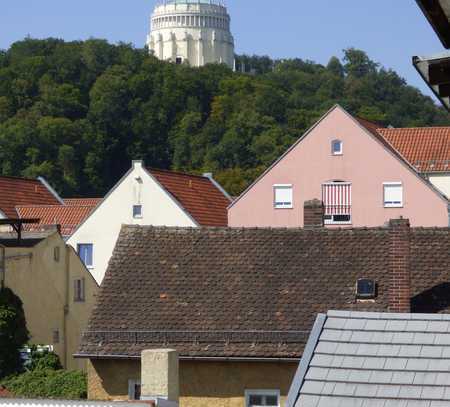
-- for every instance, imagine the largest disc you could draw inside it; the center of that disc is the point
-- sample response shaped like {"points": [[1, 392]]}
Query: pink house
{"points": [[346, 163]]}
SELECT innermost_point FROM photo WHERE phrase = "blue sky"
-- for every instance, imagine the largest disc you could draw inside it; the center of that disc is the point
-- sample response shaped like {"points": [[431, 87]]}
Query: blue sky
{"points": [[391, 31]]}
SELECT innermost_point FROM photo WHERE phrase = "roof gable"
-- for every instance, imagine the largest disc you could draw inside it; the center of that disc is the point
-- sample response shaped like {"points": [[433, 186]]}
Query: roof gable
{"points": [[22, 191], [369, 128], [262, 287]]}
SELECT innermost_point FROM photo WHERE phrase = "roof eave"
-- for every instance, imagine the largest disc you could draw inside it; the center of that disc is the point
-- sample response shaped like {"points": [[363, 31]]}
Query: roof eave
{"points": [[421, 64], [437, 18]]}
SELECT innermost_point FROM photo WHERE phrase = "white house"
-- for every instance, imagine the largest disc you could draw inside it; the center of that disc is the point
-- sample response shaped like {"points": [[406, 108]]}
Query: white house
{"points": [[148, 197]]}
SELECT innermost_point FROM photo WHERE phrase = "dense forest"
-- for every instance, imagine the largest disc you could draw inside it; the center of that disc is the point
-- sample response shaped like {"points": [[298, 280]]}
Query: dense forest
{"points": [[79, 112]]}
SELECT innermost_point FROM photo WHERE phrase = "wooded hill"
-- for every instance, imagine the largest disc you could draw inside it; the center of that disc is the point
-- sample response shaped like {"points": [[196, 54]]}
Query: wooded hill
{"points": [[79, 112]]}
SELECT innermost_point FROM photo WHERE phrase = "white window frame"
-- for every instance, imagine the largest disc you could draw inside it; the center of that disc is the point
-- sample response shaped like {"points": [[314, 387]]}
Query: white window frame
{"points": [[141, 214], [89, 266], [283, 186], [260, 392], [390, 204], [341, 146], [132, 383]]}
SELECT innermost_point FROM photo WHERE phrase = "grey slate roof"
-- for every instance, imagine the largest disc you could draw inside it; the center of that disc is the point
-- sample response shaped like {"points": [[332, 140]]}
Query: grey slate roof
{"points": [[375, 359]]}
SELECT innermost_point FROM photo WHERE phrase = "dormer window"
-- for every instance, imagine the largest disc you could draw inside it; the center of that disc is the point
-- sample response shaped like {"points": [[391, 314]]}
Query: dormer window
{"points": [[337, 147]]}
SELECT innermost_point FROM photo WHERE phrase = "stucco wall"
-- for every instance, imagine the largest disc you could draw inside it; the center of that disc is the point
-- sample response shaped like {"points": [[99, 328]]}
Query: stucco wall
{"points": [[45, 287], [365, 162], [202, 384], [102, 227], [442, 182]]}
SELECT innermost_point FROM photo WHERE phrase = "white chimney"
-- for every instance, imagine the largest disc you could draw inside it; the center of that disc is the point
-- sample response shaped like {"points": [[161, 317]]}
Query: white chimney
{"points": [[160, 377]]}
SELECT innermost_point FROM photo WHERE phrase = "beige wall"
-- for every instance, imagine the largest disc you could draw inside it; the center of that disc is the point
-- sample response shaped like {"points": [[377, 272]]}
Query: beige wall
{"points": [[441, 182], [45, 286], [202, 384], [102, 227]]}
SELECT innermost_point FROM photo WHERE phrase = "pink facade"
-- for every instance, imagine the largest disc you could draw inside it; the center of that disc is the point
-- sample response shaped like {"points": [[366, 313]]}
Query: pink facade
{"points": [[366, 165]]}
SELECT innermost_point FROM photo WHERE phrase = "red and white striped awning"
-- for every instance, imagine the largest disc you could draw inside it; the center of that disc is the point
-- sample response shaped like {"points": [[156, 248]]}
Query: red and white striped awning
{"points": [[337, 198]]}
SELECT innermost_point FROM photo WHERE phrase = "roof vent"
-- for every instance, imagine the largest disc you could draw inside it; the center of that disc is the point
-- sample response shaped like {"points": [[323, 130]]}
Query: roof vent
{"points": [[366, 289]]}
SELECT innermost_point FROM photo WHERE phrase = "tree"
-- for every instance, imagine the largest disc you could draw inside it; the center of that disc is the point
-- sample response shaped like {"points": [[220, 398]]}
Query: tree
{"points": [[358, 64], [335, 67], [13, 332]]}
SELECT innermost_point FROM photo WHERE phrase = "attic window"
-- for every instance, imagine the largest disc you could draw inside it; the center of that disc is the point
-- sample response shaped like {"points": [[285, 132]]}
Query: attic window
{"points": [[137, 211], [365, 289], [337, 147]]}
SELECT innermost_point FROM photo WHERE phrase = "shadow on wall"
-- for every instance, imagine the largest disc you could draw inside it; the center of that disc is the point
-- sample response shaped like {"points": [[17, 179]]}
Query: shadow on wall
{"points": [[434, 300]]}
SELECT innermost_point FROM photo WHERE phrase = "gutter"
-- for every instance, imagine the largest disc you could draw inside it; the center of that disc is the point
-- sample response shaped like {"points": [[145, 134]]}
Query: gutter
{"points": [[192, 358]]}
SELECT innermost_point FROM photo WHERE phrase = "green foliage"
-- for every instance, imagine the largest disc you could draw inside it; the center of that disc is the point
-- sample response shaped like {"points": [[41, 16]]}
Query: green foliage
{"points": [[43, 360], [79, 112], [48, 383], [13, 332]]}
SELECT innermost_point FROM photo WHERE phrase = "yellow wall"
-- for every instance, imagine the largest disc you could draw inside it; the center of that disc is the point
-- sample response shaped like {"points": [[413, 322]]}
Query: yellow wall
{"points": [[202, 384], [45, 287]]}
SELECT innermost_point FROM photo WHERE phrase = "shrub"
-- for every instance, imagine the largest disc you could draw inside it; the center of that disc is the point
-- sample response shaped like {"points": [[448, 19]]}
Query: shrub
{"points": [[43, 359], [47, 383], [13, 332]]}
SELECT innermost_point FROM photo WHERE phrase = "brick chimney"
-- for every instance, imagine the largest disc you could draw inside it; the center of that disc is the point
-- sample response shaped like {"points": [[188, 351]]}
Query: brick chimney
{"points": [[399, 263], [313, 214], [160, 377]]}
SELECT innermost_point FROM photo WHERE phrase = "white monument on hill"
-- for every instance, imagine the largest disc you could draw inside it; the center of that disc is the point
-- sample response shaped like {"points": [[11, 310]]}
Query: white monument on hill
{"points": [[195, 31]]}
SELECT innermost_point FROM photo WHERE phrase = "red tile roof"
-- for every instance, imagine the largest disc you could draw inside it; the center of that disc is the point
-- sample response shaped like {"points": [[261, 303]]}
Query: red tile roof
{"points": [[22, 191], [198, 196], [67, 216], [427, 148], [82, 201]]}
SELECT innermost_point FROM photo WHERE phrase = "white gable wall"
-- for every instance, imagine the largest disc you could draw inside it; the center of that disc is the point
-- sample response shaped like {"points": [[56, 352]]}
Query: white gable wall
{"points": [[102, 227], [441, 182]]}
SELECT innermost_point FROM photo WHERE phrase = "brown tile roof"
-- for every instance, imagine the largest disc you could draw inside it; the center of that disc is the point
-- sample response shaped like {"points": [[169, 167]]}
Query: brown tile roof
{"points": [[198, 196], [82, 201], [22, 191], [427, 149], [216, 292], [67, 216]]}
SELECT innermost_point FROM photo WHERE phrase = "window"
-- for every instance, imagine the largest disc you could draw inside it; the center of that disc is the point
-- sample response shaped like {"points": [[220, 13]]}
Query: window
{"points": [[283, 196], [365, 289], [337, 199], [137, 211], [79, 290], [85, 251], [134, 389], [260, 398], [337, 147], [56, 253], [55, 335], [393, 194]]}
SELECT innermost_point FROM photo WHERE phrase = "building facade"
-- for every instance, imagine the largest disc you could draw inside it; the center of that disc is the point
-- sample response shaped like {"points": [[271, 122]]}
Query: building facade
{"points": [[56, 289], [357, 172], [192, 31], [147, 197], [238, 304]]}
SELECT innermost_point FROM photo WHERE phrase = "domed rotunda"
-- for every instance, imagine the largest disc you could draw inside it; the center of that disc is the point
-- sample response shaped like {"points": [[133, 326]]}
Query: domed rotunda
{"points": [[192, 31]]}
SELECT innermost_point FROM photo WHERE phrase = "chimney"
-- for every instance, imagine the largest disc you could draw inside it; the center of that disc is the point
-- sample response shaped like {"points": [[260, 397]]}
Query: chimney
{"points": [[399, 263], [160, 377], [313, 214]]}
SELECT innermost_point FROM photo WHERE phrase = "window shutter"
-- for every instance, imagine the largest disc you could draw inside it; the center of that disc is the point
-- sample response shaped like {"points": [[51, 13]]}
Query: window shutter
{"points": [[393, 194], [337, 198], [283, 196]]}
